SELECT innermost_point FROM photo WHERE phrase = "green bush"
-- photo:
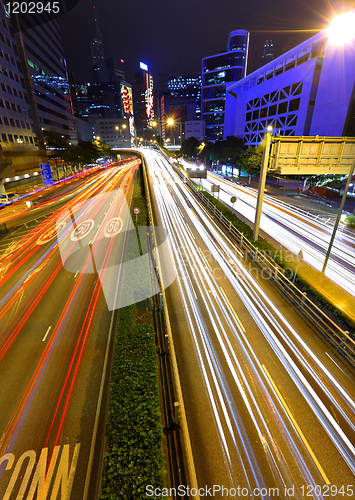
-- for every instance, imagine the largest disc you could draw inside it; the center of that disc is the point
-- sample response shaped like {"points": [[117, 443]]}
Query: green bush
{"points": [[350, 221], [134, 431]]}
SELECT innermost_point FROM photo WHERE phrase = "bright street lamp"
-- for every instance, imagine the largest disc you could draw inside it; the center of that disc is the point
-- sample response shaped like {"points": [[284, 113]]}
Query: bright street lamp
{"points": [[342, 29]]}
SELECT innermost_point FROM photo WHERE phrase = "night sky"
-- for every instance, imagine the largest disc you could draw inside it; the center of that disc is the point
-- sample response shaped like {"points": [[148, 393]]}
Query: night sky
{"points": [[173, 36]]}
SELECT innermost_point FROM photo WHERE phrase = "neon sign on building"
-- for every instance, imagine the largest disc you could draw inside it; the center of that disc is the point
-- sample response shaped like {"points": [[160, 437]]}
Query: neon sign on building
{"points": [[149, 99], [127, 100]]}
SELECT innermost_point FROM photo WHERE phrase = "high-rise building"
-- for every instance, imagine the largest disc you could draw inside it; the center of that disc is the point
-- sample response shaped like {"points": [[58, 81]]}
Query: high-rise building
{"points": [[144, 102], [18, 139], [34, 92], [217, 71], [44, 55], [114, 131], [307, 91], [98, 59], [114, 70], [181, 102], [268, 52], [188, 88]]}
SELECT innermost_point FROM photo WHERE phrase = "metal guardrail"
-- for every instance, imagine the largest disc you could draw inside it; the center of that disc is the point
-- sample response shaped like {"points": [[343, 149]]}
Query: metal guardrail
{"points": [[342, 340]]}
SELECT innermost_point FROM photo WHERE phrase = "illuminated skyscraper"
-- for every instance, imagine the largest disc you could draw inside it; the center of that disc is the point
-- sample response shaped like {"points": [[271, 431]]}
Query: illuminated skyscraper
{"points": [[34, 92], [217, 71], [144, 101], [45, 57], [98, 60]]}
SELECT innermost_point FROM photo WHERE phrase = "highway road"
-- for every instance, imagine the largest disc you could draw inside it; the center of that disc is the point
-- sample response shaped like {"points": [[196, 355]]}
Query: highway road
{"points": [[270, 406], [55, 338], [294, 229]]}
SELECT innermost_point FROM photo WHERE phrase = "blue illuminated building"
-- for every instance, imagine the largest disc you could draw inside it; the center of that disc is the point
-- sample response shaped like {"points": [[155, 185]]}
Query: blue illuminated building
{"points": [[217, 71], [308, 91]]}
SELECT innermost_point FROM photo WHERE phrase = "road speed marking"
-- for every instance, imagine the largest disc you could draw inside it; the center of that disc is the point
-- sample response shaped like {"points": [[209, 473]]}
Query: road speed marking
{"points": [[113, 227], [82, 229], [50, 234]]}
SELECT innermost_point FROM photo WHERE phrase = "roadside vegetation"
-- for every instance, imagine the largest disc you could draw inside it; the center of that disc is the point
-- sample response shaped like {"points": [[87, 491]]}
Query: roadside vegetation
{"points": [[350, 221], [134, 431]]}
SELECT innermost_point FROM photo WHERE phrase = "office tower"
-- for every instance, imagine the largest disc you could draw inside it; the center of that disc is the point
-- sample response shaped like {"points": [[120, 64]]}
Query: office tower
{"points": [[307, 91], [268, 52], [217, 71], [181, 102], [144, 102], [43, 50]]}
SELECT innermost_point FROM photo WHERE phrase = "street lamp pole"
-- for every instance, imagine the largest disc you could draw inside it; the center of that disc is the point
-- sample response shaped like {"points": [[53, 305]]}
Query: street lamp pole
{"points": [[262, 180]]}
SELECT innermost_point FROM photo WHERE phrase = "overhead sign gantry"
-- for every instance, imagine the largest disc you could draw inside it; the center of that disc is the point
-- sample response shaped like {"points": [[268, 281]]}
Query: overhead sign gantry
{"points": [[306, 155]]}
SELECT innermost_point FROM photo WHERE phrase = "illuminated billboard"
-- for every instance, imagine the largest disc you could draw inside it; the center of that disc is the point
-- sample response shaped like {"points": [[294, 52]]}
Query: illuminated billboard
{"points": [[149, 99], [143, 66], [127, 99]]}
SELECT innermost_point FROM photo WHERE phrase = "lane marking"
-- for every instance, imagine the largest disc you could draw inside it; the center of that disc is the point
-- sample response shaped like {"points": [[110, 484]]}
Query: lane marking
{"points": [[182, 215], [203, 255], [188, 227], [48, 330], [232, 308], [305, 442], [329, 356]]}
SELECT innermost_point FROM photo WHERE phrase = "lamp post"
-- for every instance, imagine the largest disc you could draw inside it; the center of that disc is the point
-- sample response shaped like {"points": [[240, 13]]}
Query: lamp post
{"points": [[262, 180], [171, 122]]}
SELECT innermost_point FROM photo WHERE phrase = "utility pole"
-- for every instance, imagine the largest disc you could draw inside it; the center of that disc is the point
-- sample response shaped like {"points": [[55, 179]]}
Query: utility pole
{"points": [[262, 180]]}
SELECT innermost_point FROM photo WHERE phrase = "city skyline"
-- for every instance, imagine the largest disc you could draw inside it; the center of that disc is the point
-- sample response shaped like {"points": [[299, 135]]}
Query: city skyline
{"points": [[178, 42]]}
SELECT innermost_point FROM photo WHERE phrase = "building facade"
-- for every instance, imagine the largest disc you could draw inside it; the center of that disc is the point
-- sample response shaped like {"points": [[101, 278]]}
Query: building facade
{"points": [[217, 72], [195, 129], [114, 131], [188, 89], [45, 58], [309, 90], [144, 103]]}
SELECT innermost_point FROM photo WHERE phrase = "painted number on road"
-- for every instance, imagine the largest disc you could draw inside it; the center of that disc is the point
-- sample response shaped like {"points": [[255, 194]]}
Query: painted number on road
{"points": [[82, 230], [60, 478], [113, 227], [50, 234]]}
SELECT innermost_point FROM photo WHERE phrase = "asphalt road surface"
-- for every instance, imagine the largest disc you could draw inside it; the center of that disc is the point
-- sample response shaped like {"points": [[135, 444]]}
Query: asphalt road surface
{"points": [[270, 406], [56, 332]]}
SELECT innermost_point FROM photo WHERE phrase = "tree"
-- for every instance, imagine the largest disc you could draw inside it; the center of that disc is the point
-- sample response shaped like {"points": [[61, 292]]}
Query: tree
{"points": [[87, 152], [232, 148], [189, 147], [56, 142], [56, 146], [250, 160], [104, 150]]}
